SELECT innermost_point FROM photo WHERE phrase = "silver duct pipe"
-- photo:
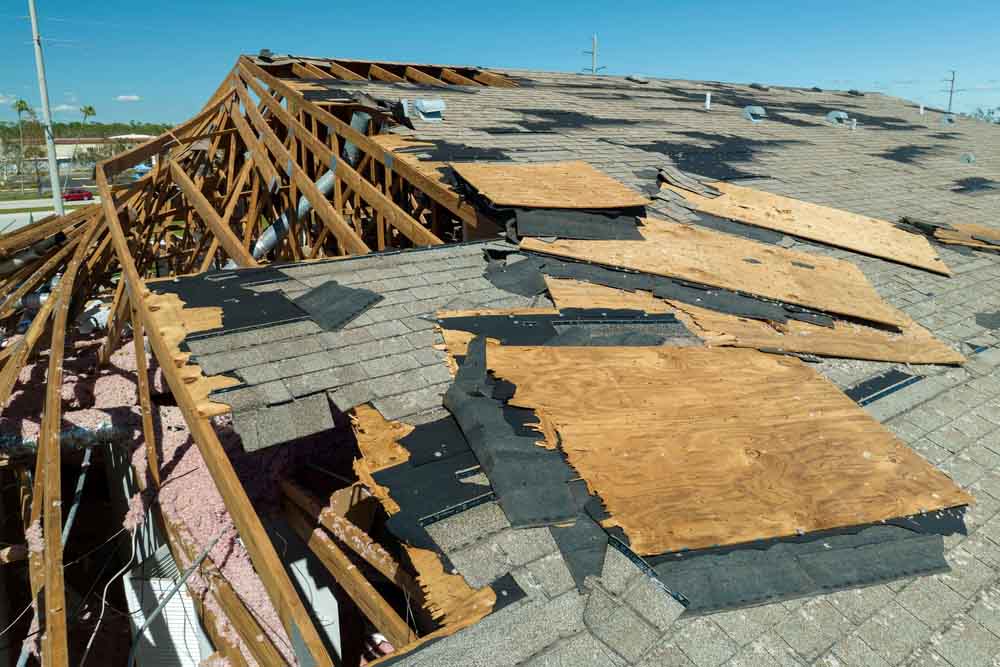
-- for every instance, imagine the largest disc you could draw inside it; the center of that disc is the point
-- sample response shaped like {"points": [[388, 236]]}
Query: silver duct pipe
{"points": [[273, 235], [28, 255]]}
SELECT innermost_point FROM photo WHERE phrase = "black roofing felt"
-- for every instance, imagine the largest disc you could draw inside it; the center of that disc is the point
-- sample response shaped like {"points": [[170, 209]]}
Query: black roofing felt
{"points": [[611, 225], [242, 308], [332, 305], [809, 564], [786, 571], [665, 288], [574, 327]]}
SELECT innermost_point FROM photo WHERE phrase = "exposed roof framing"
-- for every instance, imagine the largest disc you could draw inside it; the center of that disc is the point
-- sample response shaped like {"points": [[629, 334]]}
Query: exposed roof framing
{"points": [[389, 72]]}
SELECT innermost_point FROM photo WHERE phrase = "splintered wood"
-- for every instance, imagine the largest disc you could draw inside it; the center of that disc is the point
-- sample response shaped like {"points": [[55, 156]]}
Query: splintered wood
{"points": [[553, 185], [914, 344], [834, 227], [175, 322], [691, 448], [970, 235], [722, 260]]}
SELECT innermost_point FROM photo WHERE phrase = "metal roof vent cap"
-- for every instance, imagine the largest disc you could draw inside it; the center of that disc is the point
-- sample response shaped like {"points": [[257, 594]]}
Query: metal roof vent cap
{"points": [[430, 109], [968, 158], [949, 119], [754, 114], [837, 118]]}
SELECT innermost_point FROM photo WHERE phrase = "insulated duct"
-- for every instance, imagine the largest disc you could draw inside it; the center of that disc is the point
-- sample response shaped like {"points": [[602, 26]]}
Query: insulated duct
{"points": [[31, 254], [273, 235]]}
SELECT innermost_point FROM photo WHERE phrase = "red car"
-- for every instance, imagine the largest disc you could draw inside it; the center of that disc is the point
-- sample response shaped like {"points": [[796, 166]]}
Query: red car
{"points": [[77, 194]]}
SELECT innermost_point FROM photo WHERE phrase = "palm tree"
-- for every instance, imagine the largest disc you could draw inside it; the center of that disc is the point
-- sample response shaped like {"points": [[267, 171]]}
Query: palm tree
{"points": [[20, 108], [87, 110]]}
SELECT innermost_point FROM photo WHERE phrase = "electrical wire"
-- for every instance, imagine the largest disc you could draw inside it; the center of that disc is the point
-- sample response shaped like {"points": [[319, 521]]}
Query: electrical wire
{"points": [[104, 595]]}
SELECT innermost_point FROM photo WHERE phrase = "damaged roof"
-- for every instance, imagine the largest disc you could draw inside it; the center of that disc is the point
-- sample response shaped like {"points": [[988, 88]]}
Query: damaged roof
{"points": [[291, 347]]}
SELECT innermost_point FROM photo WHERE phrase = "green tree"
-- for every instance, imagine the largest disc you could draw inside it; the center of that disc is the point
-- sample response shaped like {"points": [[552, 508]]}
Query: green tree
{"points": [[20, 108], [87, 111]]}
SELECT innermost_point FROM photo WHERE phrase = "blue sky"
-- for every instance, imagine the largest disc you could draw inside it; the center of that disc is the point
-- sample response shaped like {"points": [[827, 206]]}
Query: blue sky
{"points": [[159, 61]]}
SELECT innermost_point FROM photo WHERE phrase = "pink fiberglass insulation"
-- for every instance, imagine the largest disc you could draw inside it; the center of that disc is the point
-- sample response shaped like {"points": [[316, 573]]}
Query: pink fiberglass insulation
{"points": [[108, 398], [34, 538]]}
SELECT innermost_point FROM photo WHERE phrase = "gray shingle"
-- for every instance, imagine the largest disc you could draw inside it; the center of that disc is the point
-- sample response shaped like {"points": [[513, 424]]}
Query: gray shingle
{"points": [[414, 402], [327, 378], [395, 363], [351, 395]]}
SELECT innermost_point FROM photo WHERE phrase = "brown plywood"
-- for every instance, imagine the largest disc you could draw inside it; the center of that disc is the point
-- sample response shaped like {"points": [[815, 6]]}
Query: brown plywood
{"points": [[553, 185], [831, 226], [723, 260], [969, 235], [914, 344], [695, 447]]}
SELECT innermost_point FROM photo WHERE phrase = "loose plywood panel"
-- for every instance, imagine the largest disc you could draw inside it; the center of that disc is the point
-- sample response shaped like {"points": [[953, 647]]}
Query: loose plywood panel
{"points": [[727, 261], [831, 226], [970, 235], [914, 344], [552, 185], [696, 447]]}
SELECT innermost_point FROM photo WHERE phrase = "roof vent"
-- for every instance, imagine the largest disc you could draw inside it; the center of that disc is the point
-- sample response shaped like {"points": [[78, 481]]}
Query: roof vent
{"points": [[265, 55], [754, 114], [949, 119], [431, 110], [838, 118], [968, 158]]}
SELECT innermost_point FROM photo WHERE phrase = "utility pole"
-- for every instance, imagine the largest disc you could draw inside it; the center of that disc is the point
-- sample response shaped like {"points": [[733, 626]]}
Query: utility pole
{"points": [[951, 90], [594, 69], [43, 90]]}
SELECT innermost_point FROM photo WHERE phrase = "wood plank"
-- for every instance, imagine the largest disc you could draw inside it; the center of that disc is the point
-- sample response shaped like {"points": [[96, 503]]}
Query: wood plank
{"points": [[723, 260], [970, 235], [347, 237], [50, 451], [342, 72], [914, 344], [551, 185], [382, 74], [733, 446], [266, 562], [350, 535], [395, 215], [402, 168], [451, 76], [419, 76], [307, 70], [830, 226], [211, 218], [370, 601], [494, 79]]}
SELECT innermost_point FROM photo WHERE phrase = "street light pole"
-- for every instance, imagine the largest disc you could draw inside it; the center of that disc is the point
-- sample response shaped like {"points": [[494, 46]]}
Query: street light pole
{"points": [[43, 90]]}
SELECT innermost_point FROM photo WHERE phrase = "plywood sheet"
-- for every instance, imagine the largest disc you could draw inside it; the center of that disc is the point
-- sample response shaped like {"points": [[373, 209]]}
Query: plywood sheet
{"points": [[914, 344], [723, 260], [551, 185], [696, 447], [831, 226], [969, 235]]}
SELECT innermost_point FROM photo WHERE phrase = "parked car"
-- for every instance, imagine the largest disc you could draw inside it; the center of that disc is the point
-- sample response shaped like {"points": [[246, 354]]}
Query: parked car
{"points": [[77, 194]]}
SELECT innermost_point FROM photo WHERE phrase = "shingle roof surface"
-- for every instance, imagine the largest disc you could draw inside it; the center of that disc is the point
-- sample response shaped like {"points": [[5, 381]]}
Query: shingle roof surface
{"points": [[897, 162]]}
